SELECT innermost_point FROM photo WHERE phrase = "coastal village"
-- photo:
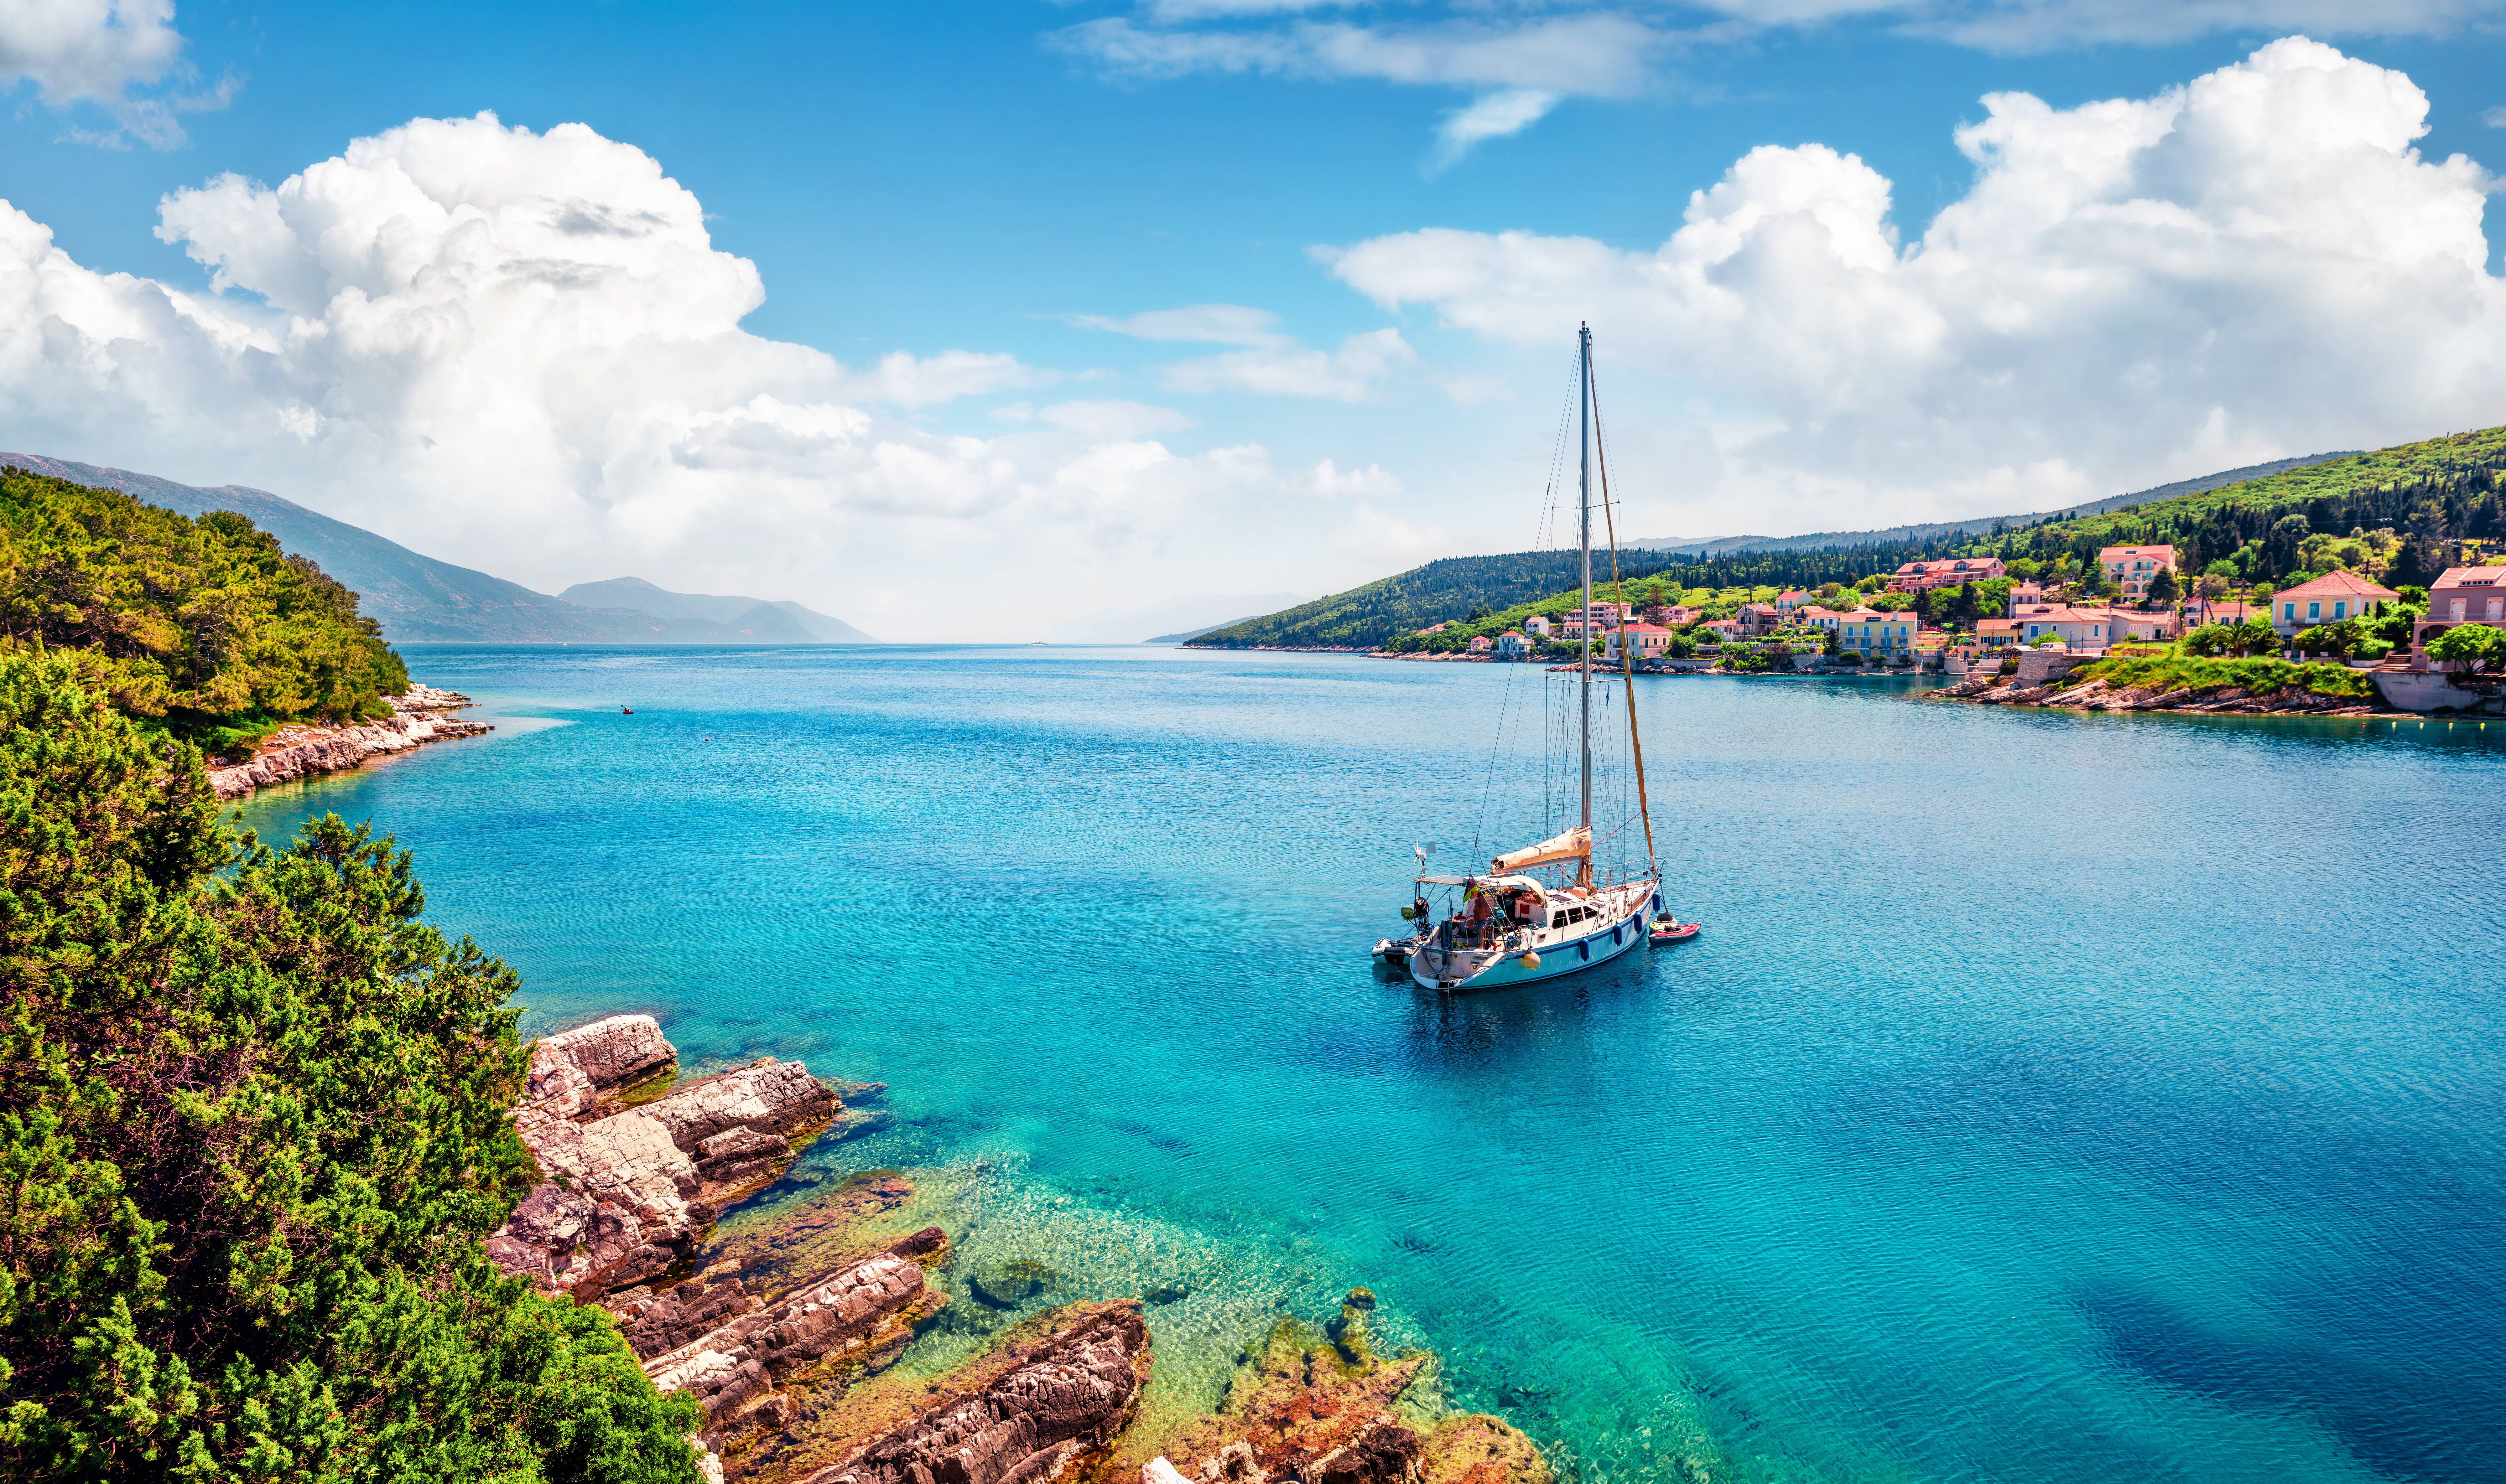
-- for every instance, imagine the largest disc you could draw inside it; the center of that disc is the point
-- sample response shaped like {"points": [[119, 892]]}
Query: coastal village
{"points": [[2016, 630]]}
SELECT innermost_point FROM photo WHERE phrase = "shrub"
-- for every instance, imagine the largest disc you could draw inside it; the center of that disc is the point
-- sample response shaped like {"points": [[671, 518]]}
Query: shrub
{"points": [[253, 1128]]}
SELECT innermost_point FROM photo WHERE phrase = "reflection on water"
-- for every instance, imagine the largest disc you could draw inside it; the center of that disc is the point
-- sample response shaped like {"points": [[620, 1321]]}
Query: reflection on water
{"points": [[2048, 1097]]}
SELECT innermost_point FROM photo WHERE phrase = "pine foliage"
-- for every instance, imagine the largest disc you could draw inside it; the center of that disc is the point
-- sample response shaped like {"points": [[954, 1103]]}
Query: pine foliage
{"points": [[195, 624], [251, 1130]]}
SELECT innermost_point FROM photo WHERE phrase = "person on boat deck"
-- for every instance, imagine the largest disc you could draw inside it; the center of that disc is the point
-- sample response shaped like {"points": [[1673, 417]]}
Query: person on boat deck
{"points": [[1479, 912]]}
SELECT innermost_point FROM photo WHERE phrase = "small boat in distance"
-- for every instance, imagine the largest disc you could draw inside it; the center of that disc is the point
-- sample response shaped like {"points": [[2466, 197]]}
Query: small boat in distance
{"points": [[627, 711], [1541, 911]]}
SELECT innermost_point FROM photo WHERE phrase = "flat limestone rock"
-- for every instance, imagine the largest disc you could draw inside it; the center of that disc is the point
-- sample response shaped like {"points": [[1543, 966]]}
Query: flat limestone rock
{"points": [[630, 1191], [732, 1368]]}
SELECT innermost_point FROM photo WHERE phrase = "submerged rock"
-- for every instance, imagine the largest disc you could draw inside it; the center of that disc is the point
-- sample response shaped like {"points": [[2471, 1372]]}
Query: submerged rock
{"points": [[1069, 1393], [1314, 1412]]}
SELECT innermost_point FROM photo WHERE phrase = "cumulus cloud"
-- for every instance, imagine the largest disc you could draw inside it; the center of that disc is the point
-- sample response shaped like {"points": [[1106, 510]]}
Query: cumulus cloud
{"points": [[2260, 263], [522, 352], [1357, 372]]}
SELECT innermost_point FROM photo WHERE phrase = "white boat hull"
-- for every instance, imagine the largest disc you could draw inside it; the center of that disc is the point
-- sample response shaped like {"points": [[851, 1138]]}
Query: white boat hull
{"points": [[1459, 968]]}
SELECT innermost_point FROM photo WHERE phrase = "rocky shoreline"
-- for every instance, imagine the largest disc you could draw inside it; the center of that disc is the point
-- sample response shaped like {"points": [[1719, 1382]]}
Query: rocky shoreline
{"points": [[782, 1330], [295, 750], [2099, 695]]}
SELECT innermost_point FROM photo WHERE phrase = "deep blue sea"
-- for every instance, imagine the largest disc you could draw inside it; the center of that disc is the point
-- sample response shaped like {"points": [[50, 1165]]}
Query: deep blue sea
{"points": [[2048, 1097]]}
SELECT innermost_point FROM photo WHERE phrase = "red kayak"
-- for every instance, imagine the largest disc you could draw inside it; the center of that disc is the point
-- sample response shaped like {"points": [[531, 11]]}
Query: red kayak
{"points": [[1673, 931]]}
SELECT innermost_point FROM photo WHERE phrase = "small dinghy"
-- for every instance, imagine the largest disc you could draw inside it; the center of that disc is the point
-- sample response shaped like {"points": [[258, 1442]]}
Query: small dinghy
{"points": [[1667, 929], [1394, 952]]}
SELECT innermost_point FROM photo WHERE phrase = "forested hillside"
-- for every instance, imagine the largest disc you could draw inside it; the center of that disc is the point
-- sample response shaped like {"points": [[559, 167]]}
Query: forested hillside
{"points": [[204, 627], [1454, 587], [2430, 495]]}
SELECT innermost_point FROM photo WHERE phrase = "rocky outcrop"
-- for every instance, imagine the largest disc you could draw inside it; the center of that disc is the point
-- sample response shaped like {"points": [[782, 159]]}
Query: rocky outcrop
{"points": [[630, 1190], [732, 1346], [421, 716], [2099, 695], [1069, 1393], [1323, 1408]]}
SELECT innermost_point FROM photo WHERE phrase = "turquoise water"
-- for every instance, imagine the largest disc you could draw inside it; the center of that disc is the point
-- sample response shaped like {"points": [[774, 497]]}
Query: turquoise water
{"points": [[2050, 1097]]}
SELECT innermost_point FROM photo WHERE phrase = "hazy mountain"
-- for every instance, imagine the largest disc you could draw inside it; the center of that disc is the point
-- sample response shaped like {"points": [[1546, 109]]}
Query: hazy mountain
{"points": [[770, 621], [1170, 621], [1899, 534], [1206, 629], [418, 598]]}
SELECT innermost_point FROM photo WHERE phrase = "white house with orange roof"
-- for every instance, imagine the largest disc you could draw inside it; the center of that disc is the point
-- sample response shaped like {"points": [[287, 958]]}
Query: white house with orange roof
{"points": [[1795, 599], [2332, 598], [1645, 641], [2132, 568], [1537, 623], [1512, 645], [2074, 628]]}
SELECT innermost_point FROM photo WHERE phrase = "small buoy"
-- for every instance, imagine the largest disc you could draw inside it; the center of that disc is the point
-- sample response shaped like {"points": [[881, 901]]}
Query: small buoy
{"points": [[1532, 961]]}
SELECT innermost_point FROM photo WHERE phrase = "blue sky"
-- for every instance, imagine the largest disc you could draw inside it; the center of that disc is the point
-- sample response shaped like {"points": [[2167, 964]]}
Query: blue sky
{"points": [[990, 179]]}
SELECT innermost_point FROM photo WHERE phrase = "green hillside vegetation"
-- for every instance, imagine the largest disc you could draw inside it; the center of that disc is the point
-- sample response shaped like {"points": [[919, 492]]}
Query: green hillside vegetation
{"points": [[203, 627], [1365, 618], [2256, 676], [253, 1128], [2398, 515]]}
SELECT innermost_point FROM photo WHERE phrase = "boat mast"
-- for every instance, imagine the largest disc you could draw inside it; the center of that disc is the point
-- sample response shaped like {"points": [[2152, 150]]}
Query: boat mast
{"points": [[1584, 498]]}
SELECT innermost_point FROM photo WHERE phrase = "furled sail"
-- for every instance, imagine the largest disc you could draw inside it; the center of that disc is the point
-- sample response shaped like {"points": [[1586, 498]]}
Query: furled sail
{"points": [[1574, 845]]}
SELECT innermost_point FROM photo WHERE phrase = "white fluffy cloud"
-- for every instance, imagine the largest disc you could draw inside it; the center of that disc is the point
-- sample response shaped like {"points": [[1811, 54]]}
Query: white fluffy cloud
{"points": [[104, 53], [2258, 263], [522, 352]]}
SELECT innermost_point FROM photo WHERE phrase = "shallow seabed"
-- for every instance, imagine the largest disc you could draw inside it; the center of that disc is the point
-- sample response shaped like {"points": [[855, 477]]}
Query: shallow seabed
{"points": [[2050, 1097]]}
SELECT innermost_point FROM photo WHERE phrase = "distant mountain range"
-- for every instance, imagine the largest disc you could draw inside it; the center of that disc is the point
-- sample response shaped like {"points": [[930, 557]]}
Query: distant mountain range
{"points": [[418, 599], [1169, 621], [1900, 534]]}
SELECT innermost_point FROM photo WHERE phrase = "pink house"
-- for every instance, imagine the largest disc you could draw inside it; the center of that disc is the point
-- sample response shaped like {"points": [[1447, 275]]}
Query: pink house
{"points": [[2463, 595], [1917, 577], [2134, 567], [1480, 644]]}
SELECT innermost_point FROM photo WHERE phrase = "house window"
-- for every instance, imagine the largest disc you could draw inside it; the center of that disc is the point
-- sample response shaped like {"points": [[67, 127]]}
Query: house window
{"points": [[2288, 612], [2340, 609], [2456, 607], [2313, 611]]}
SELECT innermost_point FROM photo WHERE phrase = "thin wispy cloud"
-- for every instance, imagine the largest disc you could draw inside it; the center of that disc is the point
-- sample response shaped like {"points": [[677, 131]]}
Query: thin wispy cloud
{"points": [[1208, 324], [1519, 68], [1493, 117]]}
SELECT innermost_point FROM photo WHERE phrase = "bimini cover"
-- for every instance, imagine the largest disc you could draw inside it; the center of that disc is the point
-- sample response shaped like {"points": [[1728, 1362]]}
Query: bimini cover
{"points": [[1574, 845]]}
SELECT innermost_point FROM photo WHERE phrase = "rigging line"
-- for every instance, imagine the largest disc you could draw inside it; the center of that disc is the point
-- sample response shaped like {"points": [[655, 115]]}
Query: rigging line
{"points": [[1627, 657], [1478, 826]]}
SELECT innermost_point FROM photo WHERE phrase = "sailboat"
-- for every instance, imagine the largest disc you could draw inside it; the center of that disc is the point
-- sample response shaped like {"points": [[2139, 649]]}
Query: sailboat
{"points": [[1541, 911]]}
